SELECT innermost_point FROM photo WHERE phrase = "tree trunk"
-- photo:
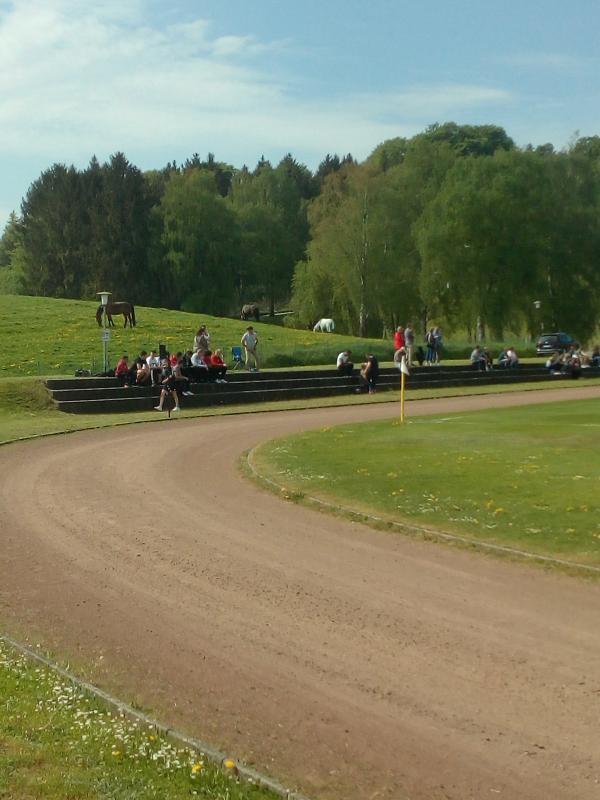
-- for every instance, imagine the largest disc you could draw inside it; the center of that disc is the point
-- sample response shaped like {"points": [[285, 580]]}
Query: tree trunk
{"points": [[480, 331], [363, 313]]}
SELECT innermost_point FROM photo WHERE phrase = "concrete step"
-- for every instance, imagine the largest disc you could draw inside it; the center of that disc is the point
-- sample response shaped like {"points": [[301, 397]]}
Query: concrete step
{"points": [[104, 395]]}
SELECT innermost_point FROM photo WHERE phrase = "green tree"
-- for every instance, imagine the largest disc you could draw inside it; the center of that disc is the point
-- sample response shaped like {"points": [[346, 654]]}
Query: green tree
{"points": [[55, 234], [11, 257], [201, 241], [508, 230]]}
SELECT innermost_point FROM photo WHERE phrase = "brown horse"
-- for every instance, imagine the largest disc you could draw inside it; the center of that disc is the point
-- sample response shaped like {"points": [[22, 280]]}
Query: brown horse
{"points": [[250, 310], [126, 309]]}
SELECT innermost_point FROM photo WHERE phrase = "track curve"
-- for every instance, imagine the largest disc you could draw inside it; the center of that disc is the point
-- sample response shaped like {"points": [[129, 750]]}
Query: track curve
{"points": [[350, 662]]}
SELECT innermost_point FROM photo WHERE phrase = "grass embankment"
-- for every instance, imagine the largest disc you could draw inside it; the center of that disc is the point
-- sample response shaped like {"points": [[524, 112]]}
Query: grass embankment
{"points": [[44, 336], [58, 742], [527, 477]]}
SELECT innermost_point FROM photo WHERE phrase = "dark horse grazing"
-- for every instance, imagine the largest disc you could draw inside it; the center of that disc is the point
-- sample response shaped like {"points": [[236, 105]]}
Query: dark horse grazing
{"points": [[126, 309], [250, 310]]}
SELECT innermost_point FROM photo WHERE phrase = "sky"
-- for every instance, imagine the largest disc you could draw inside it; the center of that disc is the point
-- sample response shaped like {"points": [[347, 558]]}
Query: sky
{"points": [[240, 79]]}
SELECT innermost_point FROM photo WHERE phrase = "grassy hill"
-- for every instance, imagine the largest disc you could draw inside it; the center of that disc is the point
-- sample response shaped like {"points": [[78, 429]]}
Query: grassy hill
{"points": [[44, 336]]}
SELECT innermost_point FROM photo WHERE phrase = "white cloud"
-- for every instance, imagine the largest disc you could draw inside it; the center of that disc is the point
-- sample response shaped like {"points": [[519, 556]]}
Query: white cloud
{"points": [[76, 81], [427, 102], [554, 62]]}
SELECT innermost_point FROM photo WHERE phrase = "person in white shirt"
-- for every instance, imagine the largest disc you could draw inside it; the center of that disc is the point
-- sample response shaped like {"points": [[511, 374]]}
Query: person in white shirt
{"points": [[250, 343], [512, 357], [153, 362], [199, 368], [343, 364]]}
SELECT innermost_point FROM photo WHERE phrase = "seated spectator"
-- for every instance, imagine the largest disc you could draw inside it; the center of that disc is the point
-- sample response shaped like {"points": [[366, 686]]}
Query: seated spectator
{"points": [[140, 370], [198, 371], [502, 359], [369, 374], [556, 363], [122, 372], [595, 356], [478, 359], [173, 359], [217, 366], [574, 365], [153, 362], [512, 357], [489, 364], [343, 364]]}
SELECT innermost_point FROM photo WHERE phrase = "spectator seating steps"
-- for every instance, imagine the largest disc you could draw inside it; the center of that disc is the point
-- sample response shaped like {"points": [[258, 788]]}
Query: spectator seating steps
{"points": [[104, 395]]}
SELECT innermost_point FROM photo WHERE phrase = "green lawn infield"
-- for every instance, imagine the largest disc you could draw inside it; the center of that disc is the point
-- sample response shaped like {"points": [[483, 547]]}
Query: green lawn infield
{"points": [[525, 477]]}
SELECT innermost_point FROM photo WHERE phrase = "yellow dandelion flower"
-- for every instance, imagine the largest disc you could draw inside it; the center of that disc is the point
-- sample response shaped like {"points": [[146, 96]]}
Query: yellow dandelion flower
{"points": [[499, 511], [229, 764], [116, 753], [196, 768]]}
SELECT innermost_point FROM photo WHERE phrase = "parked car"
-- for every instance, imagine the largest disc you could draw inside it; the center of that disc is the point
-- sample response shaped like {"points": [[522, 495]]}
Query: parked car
{"points": [[553, 342]]}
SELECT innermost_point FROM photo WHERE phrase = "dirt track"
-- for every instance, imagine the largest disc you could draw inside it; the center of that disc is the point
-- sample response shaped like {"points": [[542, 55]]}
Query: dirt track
{"points": [[350, 662]]}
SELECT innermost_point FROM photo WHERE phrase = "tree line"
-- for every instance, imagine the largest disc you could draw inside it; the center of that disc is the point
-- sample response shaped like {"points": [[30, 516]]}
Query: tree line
{"points": [[455, 224]]}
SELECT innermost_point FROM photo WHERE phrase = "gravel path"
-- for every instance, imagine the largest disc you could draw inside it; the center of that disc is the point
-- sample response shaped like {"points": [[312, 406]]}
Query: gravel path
{"points": [[349, 662]]}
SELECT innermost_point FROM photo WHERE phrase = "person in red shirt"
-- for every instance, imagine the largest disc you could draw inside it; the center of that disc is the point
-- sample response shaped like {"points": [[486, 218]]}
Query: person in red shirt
{"points": [[122, 371], [216, 365], [399, 341]]}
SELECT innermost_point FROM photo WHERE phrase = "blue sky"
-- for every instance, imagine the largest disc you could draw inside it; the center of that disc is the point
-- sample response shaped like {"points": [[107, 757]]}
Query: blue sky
{"points": [[160, 81]]}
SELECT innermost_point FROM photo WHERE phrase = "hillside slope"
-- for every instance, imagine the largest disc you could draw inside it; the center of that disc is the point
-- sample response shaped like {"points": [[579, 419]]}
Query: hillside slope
{"points": [[45, 336]]}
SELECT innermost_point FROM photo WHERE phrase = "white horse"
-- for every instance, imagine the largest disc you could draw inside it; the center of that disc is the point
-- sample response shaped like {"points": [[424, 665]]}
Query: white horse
{"points": [[325, 326]]}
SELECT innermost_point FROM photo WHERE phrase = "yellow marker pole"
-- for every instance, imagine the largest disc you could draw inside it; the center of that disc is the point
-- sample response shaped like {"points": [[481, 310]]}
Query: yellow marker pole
{"points": [[402, 387]]}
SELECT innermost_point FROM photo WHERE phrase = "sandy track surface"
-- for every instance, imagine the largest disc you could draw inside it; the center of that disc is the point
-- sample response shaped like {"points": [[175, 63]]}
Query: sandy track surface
{"points": [[350, 662]]}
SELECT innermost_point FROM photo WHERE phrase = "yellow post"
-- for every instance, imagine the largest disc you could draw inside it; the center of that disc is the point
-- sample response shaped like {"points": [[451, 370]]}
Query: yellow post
{"points": [[402, 387]]}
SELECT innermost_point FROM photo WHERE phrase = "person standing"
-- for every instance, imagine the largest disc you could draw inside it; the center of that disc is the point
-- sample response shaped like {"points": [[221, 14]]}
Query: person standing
{"points": [[409, 342], [399, 338], [250, 345], [437, 344], [202, 340]]}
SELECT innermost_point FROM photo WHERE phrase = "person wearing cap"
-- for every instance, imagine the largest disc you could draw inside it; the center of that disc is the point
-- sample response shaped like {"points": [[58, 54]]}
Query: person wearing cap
{"points": [[249, 343]]}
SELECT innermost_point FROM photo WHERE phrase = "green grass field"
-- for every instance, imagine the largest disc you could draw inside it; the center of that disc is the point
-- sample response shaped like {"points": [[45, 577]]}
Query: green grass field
{"points": [[57, 742], [43, 336], [527, 477]]}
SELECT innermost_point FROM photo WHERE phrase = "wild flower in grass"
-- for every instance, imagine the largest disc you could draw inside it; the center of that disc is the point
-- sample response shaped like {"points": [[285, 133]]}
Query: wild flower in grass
{"points": [[499, 511]]}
